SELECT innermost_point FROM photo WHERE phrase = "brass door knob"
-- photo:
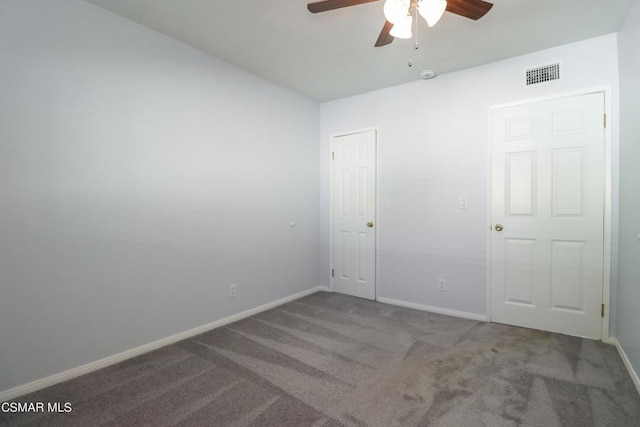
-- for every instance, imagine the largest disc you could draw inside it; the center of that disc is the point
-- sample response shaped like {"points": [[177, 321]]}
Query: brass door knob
{"points": [[370, 224], [499, 227]]}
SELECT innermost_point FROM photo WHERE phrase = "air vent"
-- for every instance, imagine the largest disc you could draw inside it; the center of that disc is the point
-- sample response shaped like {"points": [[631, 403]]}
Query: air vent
{"points": [[548, 73]]}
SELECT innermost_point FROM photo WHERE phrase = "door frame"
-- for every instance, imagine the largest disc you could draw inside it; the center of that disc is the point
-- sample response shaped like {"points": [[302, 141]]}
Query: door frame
{"points": [[332, 138], [607, 90]]}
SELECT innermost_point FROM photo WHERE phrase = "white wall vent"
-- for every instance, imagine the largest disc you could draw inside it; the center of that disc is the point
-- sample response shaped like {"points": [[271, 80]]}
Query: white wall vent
{"points": [[537, 75]]}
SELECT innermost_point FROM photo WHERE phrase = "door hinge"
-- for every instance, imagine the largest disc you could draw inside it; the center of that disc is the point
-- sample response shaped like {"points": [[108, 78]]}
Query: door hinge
{"points": [[333, 155], [602, 310], [605, 121], [332, 272]]}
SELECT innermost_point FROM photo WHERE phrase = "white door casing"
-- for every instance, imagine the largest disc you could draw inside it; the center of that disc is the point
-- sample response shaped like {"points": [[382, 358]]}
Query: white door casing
{"points": [[354, 214], [548, 194]]}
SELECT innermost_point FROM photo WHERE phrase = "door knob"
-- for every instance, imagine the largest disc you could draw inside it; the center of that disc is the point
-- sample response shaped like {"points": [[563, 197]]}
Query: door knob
{"points": [[370, 224], [499, 227]]}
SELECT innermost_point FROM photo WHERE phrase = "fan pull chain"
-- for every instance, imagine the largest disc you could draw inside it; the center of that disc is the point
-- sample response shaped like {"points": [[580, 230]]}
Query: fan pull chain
{"points": [[415, 20], [416, 45]]}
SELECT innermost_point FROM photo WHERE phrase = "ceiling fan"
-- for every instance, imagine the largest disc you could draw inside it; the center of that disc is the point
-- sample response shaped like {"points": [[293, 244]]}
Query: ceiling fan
{"points": [[398, 13]]}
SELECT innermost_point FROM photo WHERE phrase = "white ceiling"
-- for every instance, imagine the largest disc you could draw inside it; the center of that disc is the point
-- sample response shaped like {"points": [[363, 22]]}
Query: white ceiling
{"points": [[330, 55]]}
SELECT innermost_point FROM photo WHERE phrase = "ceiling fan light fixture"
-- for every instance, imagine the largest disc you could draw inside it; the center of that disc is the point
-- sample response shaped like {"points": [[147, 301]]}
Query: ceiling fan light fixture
{"points": [[432, 10], [396, 10], [402, 28]]}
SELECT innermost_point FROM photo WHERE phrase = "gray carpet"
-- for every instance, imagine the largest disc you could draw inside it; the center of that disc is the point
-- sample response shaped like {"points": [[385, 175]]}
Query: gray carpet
{"points": [[334, 360]]}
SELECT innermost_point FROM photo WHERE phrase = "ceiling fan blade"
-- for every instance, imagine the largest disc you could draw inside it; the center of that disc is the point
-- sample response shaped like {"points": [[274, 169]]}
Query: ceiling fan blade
{"points": [[385, 38], [472, 9], [323, 6]]}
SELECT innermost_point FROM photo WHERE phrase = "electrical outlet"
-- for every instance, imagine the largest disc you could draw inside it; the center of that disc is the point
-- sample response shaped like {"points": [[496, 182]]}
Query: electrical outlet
{"points": [[232, 291], [442, 285]]}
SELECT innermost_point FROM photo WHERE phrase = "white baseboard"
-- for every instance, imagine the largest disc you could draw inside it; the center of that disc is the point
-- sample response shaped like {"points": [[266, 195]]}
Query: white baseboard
{"points": [[438, 310], [627, 363], [107, 361]]}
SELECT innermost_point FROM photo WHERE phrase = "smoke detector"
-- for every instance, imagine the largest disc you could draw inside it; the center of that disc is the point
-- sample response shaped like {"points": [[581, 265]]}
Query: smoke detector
{"points": [[427, 74]]}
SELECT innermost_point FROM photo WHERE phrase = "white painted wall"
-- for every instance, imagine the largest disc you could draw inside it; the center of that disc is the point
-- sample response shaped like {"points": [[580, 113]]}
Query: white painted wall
{"points": [[138, 179], [432, 150], [628, 314]]}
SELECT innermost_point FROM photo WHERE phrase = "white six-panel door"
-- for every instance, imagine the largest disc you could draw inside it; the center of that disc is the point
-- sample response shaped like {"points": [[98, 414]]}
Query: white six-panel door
{"points": [[548, 192], [354, 214]]}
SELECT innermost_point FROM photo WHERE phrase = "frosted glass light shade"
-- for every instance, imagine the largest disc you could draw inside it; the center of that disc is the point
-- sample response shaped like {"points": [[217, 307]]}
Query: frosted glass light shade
{"points": [[396, 10], [432, 10], [402, 28]]}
